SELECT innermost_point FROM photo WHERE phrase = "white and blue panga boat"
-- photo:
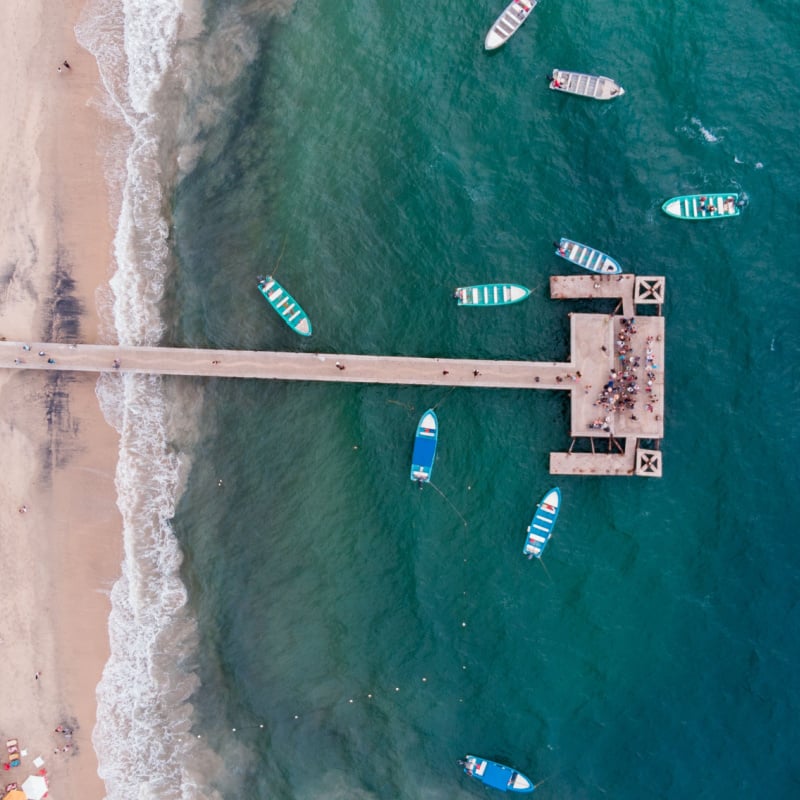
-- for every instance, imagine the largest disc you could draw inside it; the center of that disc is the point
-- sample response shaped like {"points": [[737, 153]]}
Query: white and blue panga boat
{"points": [[596, 87], [425, 447], [505, 26], [587, 257], [288, 308], [497, 776], [703, 206], [541, 528], [491, 294]]}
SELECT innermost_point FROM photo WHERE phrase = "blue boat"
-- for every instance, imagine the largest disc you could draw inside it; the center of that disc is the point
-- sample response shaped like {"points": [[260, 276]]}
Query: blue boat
{"points": [[288, 308], [425, 447], [541, 528], [498, 776], [587, 257]]}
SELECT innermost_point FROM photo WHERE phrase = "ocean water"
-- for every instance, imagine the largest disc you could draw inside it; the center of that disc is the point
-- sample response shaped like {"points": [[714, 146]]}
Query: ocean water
{"points": [[295, 618]]}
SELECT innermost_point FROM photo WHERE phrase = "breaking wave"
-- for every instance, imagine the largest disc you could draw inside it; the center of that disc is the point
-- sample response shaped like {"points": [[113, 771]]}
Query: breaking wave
{"points": [[165, 78]]}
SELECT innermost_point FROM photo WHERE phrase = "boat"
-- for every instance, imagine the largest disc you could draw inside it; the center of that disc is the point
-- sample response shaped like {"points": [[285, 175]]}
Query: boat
{"points": [[703, 206], [505, 26], [287, 307], [597, 87], [490, 294], [424, 447], [498, 776], [541, 528], [587, 257]]}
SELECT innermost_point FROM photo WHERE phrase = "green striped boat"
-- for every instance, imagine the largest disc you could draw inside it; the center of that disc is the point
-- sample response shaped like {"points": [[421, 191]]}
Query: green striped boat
{"points": [[287, 307], [490, 294], [703, 206]]}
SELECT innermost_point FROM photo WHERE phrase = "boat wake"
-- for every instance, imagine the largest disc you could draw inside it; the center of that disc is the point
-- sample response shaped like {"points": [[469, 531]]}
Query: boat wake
{"points": [[755, 165], [706, 133]]}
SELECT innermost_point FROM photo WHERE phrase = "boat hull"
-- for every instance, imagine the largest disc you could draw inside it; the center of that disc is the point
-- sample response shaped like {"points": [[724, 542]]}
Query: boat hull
{"points": [[587, 257], [596, 87], [698, 207], [287, 308], [541, 528], [497, 776], [507, 24], [491, 294], [425, 447]]}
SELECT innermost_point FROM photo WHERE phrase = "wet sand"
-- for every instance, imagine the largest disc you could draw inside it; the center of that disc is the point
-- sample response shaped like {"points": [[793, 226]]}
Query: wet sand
{"points": [[59, 525]]}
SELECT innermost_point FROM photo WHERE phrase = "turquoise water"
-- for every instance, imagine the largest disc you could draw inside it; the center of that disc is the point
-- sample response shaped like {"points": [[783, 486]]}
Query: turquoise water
{"points": [[359, 634]]}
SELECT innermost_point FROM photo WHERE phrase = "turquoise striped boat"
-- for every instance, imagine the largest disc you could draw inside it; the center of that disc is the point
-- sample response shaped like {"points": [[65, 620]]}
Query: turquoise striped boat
{"points": [[541, 528], [587, 257], [703, 206], [491, 294], [288, 308]]}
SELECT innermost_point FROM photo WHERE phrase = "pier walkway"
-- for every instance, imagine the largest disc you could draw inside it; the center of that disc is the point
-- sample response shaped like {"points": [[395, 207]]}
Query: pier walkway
{"points": [[592, 345], [282, 366]]}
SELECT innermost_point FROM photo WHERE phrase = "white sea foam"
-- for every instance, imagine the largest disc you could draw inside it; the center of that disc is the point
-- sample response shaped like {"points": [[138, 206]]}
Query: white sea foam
{"points": [[165, 78], [707, 134], [142, 735], [144, 716]]}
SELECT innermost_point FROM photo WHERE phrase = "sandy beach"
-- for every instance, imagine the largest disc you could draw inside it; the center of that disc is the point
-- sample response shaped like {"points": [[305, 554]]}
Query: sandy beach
{"points": [[59, 524]]}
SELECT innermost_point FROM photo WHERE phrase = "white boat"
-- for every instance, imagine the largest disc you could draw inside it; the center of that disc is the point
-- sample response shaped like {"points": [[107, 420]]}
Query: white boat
{"points": [[505, 26], [598, 87]]}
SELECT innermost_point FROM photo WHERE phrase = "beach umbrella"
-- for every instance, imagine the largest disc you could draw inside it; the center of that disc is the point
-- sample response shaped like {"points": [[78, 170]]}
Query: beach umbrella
{"points": [[15, 794], [35, 787]]}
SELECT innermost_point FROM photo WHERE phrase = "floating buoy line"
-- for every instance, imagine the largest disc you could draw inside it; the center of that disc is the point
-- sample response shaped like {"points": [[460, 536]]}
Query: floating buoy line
{"points": [[371, 697], [362, 700]]}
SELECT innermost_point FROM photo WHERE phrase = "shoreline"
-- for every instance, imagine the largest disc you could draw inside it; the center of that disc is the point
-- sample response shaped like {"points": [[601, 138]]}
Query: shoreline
{"points": [[59, 524]]}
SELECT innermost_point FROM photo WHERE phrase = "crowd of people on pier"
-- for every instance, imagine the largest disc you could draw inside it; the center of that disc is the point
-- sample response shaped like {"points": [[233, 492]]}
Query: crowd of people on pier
{"points": [[621, 392]]}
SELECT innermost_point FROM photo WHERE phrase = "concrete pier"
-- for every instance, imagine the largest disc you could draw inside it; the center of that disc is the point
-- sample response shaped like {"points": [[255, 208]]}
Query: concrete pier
{"points": [[593, 339], [285, 366]]}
